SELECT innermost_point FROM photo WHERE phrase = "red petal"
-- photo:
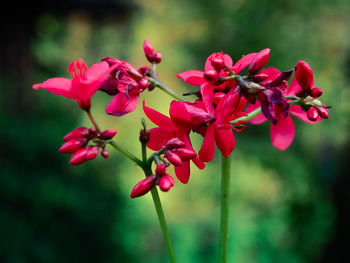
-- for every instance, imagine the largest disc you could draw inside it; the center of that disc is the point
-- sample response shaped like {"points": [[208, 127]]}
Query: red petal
{"points": [[183, 172], [121, 104], [179, 115], [299, 113], [159, 137], [157, 118], [207, 91], [227, 59], [207, 151], [258, 119], [282, 134], [192, 77], [58, 86], [225, 141], [293, 88], [304, 75], [243, 62], [271, 72]]}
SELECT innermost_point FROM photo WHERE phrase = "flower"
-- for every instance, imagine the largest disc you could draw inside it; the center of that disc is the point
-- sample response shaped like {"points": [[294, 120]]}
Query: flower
{"points": [[84, 83]]}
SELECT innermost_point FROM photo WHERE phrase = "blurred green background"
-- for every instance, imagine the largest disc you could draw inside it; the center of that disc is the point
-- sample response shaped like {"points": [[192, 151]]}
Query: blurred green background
{"points": [[290, 206]]}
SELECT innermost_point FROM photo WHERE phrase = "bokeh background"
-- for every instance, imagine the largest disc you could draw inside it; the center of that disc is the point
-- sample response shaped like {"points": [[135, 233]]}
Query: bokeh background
{"points": [[290, 206]]}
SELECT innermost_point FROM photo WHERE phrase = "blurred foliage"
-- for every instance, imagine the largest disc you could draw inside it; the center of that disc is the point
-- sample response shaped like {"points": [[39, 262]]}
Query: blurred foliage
{"points": [[285, 206]]}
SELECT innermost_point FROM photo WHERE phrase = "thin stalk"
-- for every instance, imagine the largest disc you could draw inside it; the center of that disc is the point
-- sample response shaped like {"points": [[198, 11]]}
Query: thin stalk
{"points": [[224, 218], [250, 116], [93, 121], [125, 152]]}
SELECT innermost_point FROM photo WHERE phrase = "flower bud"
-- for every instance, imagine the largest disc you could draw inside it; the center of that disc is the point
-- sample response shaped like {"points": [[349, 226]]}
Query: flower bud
{"points": [[322, 111], [143, 83], [108, 134], [144, 136], [73, 145], [92, 152], [186, 153], [316, 92], [149, 50], [304, 75], [92, 133], [78, 157], [300, 93], [174, 143], [173, 158], [144, 186], [150, 88], [260, 77], [211, 75], [218, 62], [144, 70], [312, 114], [157, 57], [259, 61], [217, 97], [105, 153], [161, 169], [79, 132], [166, 182]]}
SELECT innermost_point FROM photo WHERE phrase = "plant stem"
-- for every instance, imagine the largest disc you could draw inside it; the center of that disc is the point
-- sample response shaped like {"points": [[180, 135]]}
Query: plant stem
{"points": [[93, 121], [224, 218], [126, 153], [250, 116]]}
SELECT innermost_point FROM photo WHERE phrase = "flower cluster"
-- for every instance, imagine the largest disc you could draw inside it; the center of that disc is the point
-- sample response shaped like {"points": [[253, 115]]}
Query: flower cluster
{"points": [[225, 102]]}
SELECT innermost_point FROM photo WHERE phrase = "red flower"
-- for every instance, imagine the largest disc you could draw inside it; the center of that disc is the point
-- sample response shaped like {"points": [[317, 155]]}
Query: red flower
{"points": [[282, 133], [84, 83], [167, 130]]}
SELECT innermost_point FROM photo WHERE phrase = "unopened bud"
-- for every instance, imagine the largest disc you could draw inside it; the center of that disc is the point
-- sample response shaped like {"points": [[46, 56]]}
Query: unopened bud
{"points": [[300, 93], [78, 157], [144, 70], [304, 75], [92, 133], [316, 92], [92, 152], [157, 57], [79, 132], [166, 182], [108, 134], [144, 186], [186, 153], [144, 136], [259, 61], [173, 158], [149, 50], [73, 145], [143, 83], [161, 169], [211, 75], [150, 88], [322, 111], [218, 62], [260, 77], [174, 143], [105, 153], [312, 114]]}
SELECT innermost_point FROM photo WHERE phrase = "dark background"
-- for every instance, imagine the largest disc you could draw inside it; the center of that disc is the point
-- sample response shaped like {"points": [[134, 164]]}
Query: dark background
{"points": [[290, 206]]}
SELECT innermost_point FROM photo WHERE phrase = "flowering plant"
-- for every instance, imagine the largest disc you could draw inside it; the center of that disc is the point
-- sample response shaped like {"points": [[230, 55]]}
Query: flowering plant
{"points": [[224, 104]]}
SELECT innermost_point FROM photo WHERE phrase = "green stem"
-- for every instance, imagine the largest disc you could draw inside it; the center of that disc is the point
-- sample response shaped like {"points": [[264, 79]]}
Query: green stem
{"points": [[224, 218], [250, 116], [93, 121], [126, 153]]}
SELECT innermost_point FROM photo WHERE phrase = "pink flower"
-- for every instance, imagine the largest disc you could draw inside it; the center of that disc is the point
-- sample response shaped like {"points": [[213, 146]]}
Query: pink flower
{"points": [[84, 83], [167, 130], [282, 133]]}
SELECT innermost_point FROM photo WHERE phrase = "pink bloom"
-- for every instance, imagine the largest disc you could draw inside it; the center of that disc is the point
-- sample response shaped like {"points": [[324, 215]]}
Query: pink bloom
{"points": [[84, 83], [282, 133], [167, 130]]}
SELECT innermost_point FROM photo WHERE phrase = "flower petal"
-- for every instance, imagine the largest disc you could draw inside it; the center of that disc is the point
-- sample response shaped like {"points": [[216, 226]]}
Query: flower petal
{"points": [[192, 77], [207, 151], [293, 88], [207, 91], [182, 172], [225, 141], [58, 86], [122, 104], [158, 118], [179, 115], [282, 134], [159, 137], [243, 62]]}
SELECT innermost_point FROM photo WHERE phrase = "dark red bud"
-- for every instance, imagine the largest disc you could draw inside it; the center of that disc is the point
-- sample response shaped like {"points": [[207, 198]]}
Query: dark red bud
{"points": [[218, 62], [105, 153], [73, 145], [259, 61], [186, 153], [211, 75], [79, 132], [92, 133], [150, 88], [260, 77], [322, 111], [217, 97], [108, 134], [304, 75], [173, 158], [144, 186], [144, 70], [161, 169], [157, 57], [166, 182], [148, 49], [78, 157], [92, 152], [300, 93], [316, 92], [144, 136], [312, 114], [174, 143], [143, 83]]}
